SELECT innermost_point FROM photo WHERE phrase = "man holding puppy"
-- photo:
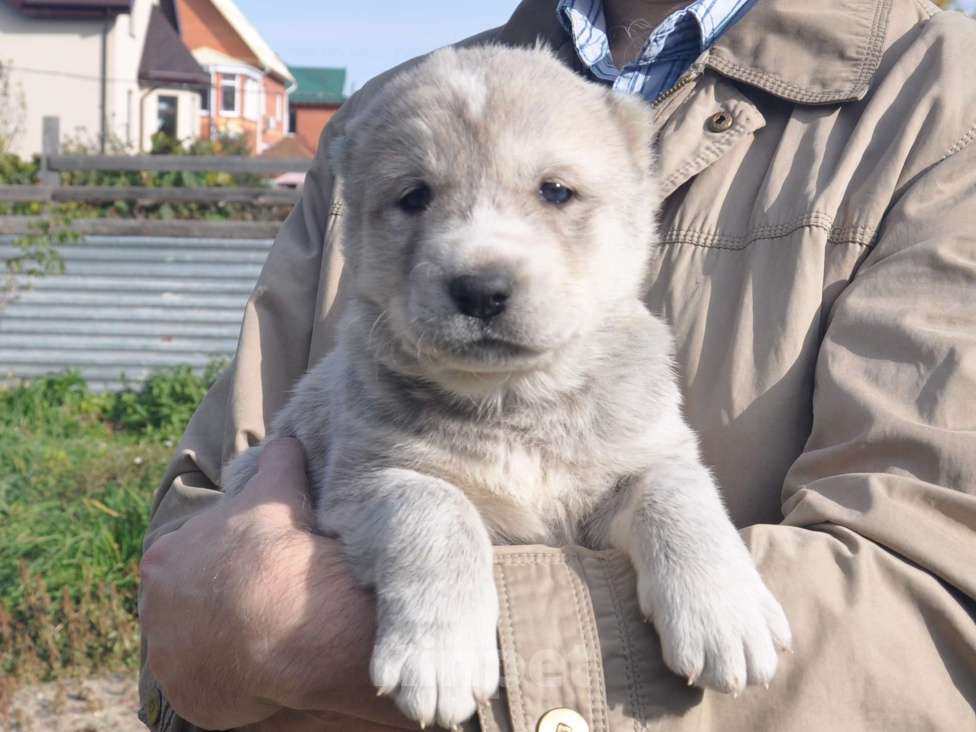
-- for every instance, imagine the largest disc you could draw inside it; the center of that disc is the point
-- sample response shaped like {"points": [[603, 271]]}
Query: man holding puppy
{"points": [[817, 263]]}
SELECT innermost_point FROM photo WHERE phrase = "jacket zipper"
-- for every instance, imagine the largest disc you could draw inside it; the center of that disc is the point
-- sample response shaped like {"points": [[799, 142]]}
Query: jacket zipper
{"points": [[683, 81]]}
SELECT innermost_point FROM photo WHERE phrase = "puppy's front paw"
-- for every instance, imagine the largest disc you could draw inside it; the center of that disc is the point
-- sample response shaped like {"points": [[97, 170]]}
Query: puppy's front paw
{"points": [[721, 634], [440, 670]]}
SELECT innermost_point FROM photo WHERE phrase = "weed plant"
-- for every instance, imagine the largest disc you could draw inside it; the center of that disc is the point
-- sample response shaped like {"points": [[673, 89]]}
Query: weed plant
{"points": [[77, 474]]}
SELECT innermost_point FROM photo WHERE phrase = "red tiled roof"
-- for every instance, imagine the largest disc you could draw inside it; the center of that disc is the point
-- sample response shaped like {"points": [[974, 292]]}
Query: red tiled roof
{"points": [[288, 148]]}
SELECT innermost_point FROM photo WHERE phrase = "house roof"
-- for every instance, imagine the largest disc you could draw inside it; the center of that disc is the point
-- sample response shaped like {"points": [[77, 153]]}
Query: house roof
{"points": [[318, 85], [76, 9], [212, 57], [165, 60], [172, 12], [288, 148], [249, 34]]}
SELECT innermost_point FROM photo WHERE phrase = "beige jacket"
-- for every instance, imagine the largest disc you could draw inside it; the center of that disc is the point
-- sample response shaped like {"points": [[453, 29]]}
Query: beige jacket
{"points": [[818, 265]]}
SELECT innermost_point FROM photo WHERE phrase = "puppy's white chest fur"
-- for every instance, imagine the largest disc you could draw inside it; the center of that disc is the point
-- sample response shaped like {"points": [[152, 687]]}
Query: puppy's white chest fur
{"points": [[525, 494]]}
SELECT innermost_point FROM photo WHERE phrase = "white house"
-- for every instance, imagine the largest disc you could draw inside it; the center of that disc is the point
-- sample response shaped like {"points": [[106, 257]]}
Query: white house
{"points": [[114, 71]]}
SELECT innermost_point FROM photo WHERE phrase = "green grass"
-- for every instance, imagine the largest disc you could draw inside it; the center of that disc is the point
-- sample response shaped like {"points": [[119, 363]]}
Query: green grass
{"points": [[77, 474]]}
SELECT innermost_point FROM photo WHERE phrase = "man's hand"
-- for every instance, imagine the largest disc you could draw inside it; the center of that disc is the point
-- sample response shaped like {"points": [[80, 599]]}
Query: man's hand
{"points": [[246, 611]]}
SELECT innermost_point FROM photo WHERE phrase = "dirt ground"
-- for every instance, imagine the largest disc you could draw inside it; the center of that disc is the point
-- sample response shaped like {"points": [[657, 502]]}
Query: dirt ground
{"points": [[106, 704]]}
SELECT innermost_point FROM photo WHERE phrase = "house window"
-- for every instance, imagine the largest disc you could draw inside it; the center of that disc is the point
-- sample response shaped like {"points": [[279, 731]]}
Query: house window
{"points": [[252, 99], [205, 101], [229, 103], [166, 116], [292, 120]]}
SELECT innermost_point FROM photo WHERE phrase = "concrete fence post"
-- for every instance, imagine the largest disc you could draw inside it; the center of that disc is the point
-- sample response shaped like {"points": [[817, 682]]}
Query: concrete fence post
{"points": [[50, 146]]}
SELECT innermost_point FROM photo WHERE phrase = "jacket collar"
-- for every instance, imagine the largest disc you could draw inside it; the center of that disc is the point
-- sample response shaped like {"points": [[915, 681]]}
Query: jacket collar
{"points": [[819, 52]]}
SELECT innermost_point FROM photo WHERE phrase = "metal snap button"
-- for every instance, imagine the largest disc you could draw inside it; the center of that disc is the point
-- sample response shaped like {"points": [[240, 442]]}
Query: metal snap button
{"points": [[720, 121], [562, 720]]}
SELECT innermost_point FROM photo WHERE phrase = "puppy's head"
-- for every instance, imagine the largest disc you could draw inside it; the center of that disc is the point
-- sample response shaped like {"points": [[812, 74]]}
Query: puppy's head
{"points": [[499, 208]]}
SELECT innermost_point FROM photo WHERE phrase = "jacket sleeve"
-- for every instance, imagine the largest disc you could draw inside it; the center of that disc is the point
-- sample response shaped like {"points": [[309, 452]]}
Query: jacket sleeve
{"points": [[875, 562]]}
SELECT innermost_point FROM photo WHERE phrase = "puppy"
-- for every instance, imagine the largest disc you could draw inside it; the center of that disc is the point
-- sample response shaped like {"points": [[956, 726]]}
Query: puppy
{"points": [[497, 379]]}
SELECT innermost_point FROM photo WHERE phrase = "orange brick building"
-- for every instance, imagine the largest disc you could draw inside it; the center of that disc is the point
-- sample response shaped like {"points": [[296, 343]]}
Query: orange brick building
{"points": [[250, 84], [318, 96]]}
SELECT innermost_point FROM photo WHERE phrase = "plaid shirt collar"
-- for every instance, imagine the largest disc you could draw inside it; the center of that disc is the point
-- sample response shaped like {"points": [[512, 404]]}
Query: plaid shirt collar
{"points": [[671, 48]]}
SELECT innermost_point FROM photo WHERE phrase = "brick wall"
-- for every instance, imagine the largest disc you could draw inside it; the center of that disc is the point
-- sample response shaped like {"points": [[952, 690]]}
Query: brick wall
{"points": [[275, 111], [310, 121]]}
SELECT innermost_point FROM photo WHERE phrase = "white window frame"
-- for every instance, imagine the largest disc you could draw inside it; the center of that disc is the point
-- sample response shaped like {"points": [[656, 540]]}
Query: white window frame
{"points": [[251, 98], [239, 72], [225, 81], [176, 112]]}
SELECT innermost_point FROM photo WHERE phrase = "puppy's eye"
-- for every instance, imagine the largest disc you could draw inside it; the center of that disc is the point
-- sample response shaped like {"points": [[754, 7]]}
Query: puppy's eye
{"points": [[556, 193], [417, 199]]}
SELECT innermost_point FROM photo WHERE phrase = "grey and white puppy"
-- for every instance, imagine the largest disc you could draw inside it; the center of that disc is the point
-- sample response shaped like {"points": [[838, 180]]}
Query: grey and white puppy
{"points": [[498, 380]]}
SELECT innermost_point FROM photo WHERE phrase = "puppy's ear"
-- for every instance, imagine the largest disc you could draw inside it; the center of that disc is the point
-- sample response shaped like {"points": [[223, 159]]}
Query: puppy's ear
{"points": [[636, 120]]}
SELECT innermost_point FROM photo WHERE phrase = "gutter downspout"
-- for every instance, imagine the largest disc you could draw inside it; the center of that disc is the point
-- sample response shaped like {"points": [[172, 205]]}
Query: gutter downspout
{"points": [[142, 114], [214, 100], [103, 88], [262, 108]]}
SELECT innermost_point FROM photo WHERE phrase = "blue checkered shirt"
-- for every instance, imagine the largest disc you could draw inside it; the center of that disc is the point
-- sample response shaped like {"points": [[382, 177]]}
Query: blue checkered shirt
{"points": [[671, 49]]}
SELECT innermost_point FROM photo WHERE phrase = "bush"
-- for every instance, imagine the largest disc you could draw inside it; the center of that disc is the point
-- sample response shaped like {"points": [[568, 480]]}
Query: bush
{"points": [[77, 475], [225, 145], [56, 406], [164, 404], [17, 172]]}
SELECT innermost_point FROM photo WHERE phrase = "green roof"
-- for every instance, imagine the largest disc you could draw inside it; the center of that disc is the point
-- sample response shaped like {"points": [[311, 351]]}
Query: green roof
{"points": [[317, 85]]}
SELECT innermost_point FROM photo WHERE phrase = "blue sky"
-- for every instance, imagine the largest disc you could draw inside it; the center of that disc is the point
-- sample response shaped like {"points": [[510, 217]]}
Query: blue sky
{"points": [[368, 36]]}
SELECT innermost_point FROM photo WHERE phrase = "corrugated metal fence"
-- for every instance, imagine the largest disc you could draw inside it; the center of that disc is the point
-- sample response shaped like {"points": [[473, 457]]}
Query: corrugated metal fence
{"points": [[126, 306]]}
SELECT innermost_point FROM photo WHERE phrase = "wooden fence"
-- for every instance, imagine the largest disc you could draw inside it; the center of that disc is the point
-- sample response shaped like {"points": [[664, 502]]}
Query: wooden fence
{"points": [[50, 190]]}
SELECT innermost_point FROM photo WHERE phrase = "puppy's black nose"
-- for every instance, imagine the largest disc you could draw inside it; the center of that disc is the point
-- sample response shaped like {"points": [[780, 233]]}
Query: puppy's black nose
{"points": [[481, 295]]}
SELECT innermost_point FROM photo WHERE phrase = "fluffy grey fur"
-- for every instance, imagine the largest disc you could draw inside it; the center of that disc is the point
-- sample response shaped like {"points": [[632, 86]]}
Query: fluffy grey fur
{"points": [[431, 434]]}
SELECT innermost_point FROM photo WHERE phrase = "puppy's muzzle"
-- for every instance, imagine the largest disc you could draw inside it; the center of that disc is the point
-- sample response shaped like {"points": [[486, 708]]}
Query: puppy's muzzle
{"points": [[483, 296]]}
